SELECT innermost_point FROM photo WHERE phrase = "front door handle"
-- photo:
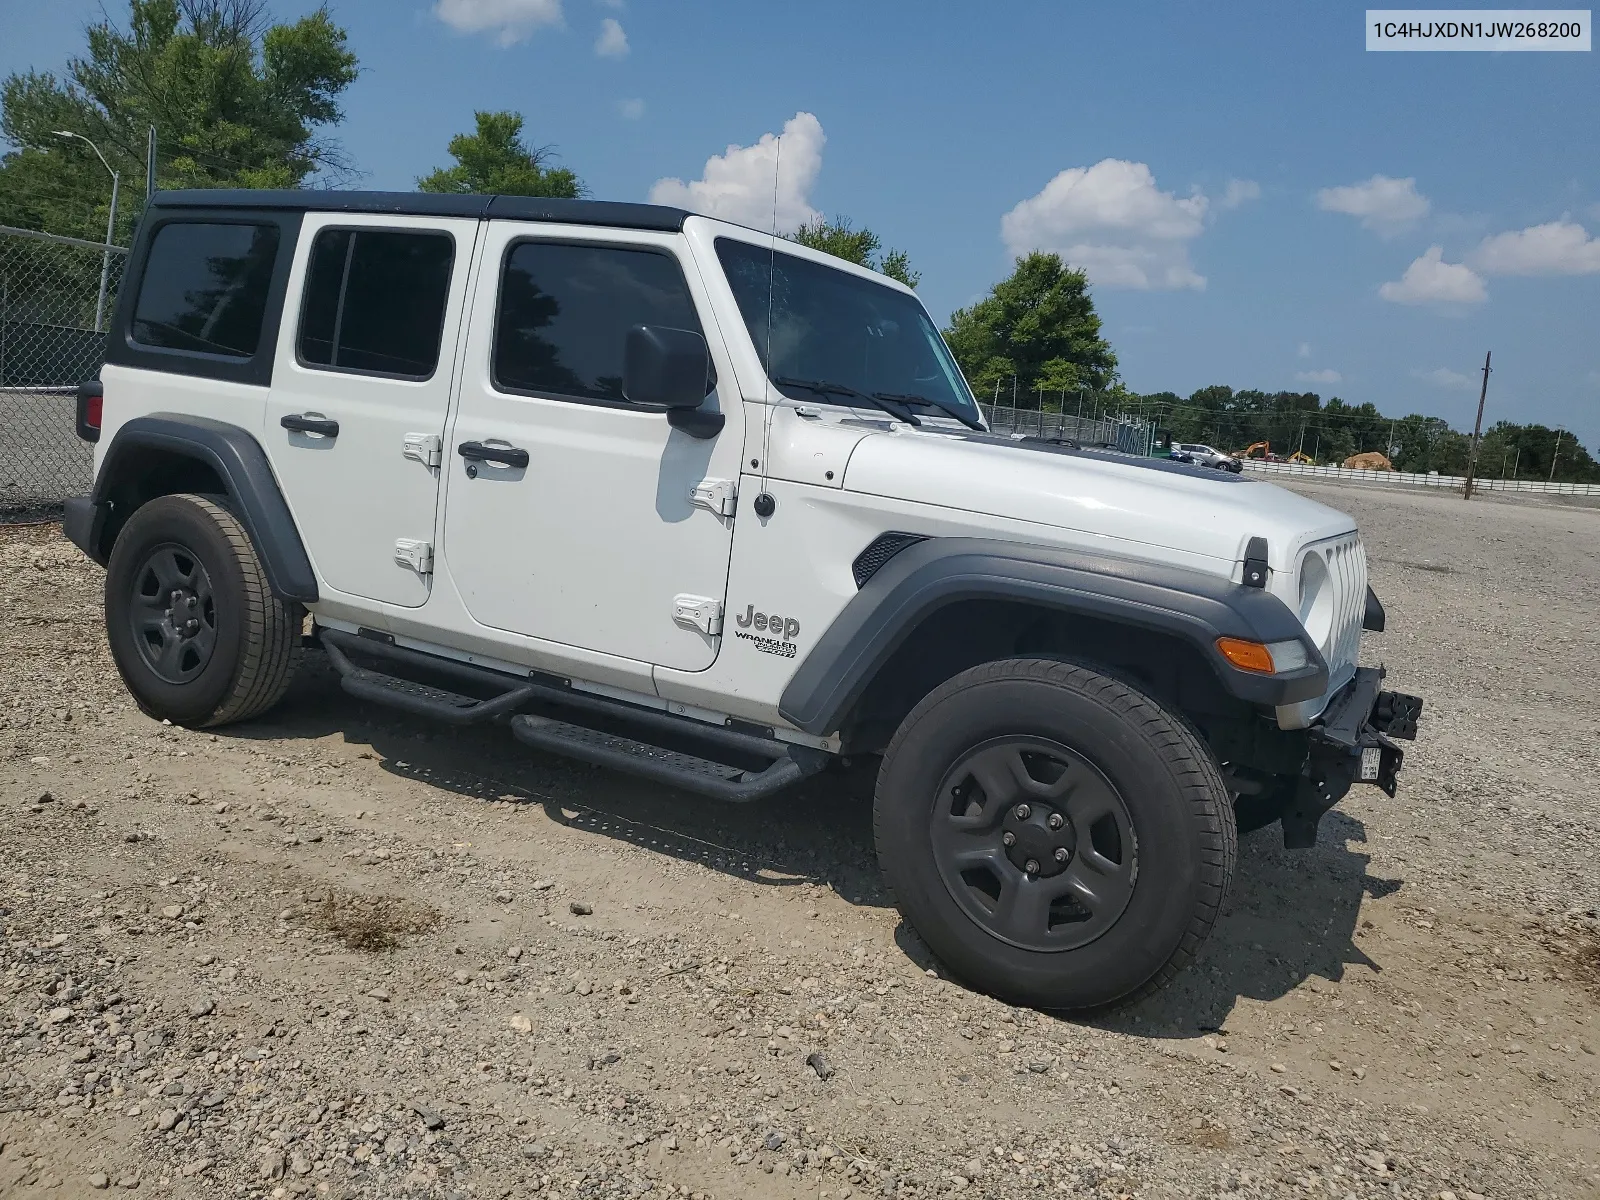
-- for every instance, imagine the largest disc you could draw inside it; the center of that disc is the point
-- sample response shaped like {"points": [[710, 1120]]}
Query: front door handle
{"points": [[307, 423], [510, 456]]}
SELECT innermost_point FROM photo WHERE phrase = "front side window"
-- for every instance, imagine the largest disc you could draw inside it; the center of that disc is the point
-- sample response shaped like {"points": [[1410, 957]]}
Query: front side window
{"points": [[375, 301], [565, 312], [810, 321], [205, 288]]}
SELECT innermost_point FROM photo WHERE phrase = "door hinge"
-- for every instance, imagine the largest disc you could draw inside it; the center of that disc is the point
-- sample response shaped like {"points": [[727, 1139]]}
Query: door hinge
{"points": [[426, 448], [702, 612], [414, 553], [718, 495]]}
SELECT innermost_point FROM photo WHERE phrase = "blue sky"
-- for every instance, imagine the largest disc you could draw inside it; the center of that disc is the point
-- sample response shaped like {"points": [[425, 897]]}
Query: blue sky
{"points": [[1255, 195]]}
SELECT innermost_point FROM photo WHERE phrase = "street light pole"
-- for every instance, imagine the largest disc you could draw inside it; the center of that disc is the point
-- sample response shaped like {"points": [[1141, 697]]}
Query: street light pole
{"points": [[111, 226]]}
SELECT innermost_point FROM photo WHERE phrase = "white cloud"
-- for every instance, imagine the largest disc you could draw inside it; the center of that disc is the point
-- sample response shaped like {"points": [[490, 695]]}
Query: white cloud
{"points": [[1431, 280], [612, 42], [737, 185], [510, 20], [630, 110], [1240, 191], [1304, 350], [1446, 378], [1112, 220], [1326, 375], [1558, 248], [1382, 204]]}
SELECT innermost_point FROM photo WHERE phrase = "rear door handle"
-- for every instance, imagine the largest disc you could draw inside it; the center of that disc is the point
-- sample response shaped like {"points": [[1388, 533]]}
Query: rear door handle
{"points": [[510, 456], [306, 423]]}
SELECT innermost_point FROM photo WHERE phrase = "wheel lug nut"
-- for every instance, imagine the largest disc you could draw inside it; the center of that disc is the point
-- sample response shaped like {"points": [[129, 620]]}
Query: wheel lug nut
{"points": [[1061, 854], [1009, 839], [1055, 821], [1023, 812], [1031, 866]]}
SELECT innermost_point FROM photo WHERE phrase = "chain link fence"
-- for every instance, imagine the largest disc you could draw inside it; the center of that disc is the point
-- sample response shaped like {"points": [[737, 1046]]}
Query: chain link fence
{"points": [[56, 298], [1129, 435]]}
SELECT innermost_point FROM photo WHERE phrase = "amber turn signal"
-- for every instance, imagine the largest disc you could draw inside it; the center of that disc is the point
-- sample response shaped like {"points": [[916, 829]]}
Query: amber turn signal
{"points": [[1247, 656]]}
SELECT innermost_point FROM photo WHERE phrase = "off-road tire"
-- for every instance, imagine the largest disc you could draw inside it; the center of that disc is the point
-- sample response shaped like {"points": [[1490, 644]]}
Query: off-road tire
{"points": [[256, 644], [1169, 783]]}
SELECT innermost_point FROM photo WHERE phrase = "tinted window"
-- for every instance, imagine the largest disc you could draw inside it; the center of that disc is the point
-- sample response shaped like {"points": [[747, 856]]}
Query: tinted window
{"points": [[565, 312], [375, 301], [205, 288]]}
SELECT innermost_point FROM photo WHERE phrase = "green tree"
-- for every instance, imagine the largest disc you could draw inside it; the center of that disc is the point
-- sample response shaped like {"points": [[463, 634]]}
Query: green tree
{"points": [[236, 101], [495, 161], [1038, 325], [841, 239]]}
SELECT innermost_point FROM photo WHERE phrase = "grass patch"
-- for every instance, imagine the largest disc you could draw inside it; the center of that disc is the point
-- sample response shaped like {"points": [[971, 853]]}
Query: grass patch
{"points": [[371, 923]]}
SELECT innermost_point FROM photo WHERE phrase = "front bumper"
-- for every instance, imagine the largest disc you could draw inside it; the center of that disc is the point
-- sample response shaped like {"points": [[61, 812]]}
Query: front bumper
{"points": [[1354, 743]]}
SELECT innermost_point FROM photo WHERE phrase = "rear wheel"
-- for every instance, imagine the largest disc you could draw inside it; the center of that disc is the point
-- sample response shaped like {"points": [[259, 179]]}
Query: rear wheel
{"points": [[195, 631], [1056, 837]]}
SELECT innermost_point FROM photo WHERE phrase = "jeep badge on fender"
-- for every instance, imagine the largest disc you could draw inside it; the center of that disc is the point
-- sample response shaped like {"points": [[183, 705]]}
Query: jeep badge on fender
{"points": [[1081, 672]]}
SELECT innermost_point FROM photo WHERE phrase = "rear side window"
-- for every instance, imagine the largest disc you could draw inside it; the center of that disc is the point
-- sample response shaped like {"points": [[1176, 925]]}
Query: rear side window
{"points": [[375, 301], [205, 288], [565, 312]]}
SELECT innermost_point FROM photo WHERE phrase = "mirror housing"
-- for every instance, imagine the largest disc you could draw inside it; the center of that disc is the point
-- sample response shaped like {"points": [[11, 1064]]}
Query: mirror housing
{"points": [[664, 366]]}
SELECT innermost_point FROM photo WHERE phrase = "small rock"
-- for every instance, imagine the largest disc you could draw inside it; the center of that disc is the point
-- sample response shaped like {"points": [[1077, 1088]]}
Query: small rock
{"points": [[380, 994], [514, 953], [167, 1119], [1359, 1072], [1279, 1068], [543, 885], [82, 1055], [430, 1119], [774, 1140], [521, 1023], [128, 1181], [202, 1007], [172, 912], [1038, 1068], [58, 1015], [503, 897], [819, 1064], [128, 837], [99, 1181], [583, 987], [299, 1163], [461, 976], [580, 909], [46, 798]]}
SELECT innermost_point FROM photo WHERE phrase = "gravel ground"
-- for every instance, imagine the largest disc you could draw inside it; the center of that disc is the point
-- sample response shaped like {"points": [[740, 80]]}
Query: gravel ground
{"points": [[337, 953]]}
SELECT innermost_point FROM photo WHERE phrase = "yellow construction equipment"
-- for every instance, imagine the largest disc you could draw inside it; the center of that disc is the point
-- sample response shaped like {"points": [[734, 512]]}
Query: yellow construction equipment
{"points": [[1301, 456], [1250, 450]]}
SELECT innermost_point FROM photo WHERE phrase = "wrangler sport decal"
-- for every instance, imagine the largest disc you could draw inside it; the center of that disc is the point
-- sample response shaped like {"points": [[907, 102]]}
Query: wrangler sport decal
{"points": [[772, 634]]}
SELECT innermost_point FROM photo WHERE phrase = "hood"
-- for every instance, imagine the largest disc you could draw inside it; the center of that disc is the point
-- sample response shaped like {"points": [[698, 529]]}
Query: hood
{"points": [[1137, 502]]}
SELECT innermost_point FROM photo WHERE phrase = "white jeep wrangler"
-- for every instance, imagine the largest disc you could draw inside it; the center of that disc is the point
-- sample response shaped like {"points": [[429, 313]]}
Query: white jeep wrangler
{"points": [[674, 497]]}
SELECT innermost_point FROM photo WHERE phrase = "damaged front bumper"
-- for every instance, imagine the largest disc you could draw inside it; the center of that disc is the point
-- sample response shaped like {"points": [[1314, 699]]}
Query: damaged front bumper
{"points": [[1353, 743]]}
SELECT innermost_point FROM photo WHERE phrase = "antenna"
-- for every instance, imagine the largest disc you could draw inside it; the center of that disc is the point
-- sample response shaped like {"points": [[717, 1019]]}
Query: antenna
{"points": [[765, 504]]}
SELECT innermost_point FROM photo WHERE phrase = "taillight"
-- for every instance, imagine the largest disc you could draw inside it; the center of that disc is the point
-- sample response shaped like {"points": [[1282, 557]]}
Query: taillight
{"points": [[91, 405]]}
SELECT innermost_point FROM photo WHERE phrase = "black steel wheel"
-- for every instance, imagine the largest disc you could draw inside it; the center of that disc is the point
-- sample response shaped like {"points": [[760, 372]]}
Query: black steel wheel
{"points": [[1055, 836], [1035, 843], [173, 613], [195, 631]]}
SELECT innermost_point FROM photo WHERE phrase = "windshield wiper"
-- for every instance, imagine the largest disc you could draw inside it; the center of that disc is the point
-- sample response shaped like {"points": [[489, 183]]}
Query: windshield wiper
{"points": [[824, 388], [946, 409]]}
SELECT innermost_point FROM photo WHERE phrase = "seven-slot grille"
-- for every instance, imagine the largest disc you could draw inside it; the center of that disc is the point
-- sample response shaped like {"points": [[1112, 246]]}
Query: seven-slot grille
{"points": [[1346, 560]]}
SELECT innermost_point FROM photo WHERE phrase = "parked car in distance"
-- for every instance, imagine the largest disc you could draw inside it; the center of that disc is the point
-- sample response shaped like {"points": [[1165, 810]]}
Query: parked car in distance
{"points": [[1205, 456]]}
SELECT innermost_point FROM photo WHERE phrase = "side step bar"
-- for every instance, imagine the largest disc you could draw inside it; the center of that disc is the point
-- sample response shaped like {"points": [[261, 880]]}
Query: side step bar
{"points": [[419, 699], [708, 760], [703, 776]]}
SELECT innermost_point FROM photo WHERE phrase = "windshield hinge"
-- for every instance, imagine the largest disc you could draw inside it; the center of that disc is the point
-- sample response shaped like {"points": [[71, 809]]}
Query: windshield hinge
{"points": [[718, 495], [414, 553], [425, 448], [702, 612]]}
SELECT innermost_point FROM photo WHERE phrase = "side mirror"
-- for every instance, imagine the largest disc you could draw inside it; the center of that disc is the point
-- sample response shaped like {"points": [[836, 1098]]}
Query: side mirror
{"points": [[664, 366]]}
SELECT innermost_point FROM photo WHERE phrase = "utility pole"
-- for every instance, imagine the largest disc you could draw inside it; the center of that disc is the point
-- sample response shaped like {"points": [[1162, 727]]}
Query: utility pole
{"points": [[1477, 427], [1555, 454], [150, 165]]}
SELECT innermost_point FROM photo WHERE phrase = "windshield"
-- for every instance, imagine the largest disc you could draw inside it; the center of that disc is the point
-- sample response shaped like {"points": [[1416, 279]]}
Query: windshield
{"points": [[833, 327]]}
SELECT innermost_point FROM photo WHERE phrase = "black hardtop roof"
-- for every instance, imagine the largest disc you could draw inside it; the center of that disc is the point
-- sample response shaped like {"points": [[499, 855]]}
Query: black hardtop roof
{"points": [[614, 213]]}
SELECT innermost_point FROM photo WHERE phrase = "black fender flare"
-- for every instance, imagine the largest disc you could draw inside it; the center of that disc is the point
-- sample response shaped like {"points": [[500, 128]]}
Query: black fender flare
{"points": [[923, 578], [251, 492]]}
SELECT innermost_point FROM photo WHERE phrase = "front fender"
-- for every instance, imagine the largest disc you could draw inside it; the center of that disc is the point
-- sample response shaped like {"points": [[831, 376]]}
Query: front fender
{"points": [[928, 576]]}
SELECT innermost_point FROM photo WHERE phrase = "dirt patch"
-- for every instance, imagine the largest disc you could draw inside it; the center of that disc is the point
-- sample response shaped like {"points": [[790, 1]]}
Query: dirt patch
{"points": [[373, 923]]}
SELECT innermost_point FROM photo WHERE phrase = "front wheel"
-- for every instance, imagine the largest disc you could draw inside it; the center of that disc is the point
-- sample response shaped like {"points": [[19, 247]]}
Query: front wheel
{"points": [[1057, 838], [195, 631]]}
